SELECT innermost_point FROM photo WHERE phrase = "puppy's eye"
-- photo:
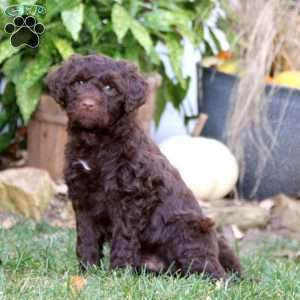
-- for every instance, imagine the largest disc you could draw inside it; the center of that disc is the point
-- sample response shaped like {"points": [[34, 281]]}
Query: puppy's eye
{"points": [[78, 82], [108, 88]]}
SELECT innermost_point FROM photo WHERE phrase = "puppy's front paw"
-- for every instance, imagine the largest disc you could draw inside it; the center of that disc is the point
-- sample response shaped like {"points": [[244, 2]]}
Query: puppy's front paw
{"points": [[152, 263], [214, 271], [121, 263], [88, 260], [85, 266]]}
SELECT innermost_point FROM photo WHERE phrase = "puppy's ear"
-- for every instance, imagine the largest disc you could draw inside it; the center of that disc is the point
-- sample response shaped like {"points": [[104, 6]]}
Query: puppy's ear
{"points": [[57, 79], [137, 87], [205, 224], [200, 224], [56, 86]]}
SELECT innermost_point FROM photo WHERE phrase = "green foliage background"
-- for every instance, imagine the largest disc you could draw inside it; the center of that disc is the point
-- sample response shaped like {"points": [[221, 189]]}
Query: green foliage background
{"points": [[127, 29]]}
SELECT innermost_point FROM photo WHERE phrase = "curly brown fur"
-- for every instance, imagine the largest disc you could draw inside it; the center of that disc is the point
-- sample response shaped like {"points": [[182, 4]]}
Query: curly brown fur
{"points": [[123, 189]]}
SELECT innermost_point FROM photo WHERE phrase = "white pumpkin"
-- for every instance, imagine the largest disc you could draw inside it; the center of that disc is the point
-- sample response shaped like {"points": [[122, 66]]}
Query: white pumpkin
{"points": [[206, 165]]}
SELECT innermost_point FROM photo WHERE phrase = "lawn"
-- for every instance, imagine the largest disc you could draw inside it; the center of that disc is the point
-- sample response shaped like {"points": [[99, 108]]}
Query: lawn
{"points": [[38, 262]]}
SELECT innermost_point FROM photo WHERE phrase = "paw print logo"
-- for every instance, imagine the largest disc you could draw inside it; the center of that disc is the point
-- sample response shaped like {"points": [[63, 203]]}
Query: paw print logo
{"points": [[25, 30]]}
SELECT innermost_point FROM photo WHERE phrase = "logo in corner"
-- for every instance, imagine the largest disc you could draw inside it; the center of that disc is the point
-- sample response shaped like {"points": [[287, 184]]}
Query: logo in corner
{"points": [[25, 29]]}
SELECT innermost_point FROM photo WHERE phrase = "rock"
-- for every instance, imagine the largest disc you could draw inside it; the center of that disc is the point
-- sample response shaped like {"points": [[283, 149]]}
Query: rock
{"points": [[5, 205], [291, 255], [60, 212], [26, 191], [268, 204], [61, 189], [244, 216], [7, 222], [286, 214], [255, 239]]}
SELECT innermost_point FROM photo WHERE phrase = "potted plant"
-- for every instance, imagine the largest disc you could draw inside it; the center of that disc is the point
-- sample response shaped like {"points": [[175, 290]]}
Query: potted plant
{"points": [[252, 97], [120, 29]]}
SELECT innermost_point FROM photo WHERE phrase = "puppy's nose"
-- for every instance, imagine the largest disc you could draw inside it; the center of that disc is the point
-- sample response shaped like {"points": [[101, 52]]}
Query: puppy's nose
{"points": [[88, 104]]}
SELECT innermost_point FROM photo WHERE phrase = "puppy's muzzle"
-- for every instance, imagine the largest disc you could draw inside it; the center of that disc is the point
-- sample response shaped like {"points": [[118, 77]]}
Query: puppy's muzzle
{"points": [[88, 104]]}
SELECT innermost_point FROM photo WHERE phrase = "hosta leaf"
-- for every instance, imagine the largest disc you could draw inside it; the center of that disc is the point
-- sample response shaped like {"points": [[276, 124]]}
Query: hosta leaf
{"points": [[57, 29], [204, 8], [5, 139], [187, 32], [92, 22], [28, 2], [66, 4], [9, 96], [141, 35], [160, 104], [27, 100], [64, 47], [34, 71], [73, 20], [29, 86], [40, 2], [133, 49], [3, 4], [164, 20], [7, 50], [4, 118], [3, 18], [56, 6], [169, 92], [120, 21], [175, 53], [216, 38], [154, 58], [47, 46], [178, 91], [160, 20], [13, 67]]}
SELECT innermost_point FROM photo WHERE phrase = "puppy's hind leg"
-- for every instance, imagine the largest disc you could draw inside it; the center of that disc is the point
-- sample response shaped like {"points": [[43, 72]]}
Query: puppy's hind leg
{"points": [[194, 242]]}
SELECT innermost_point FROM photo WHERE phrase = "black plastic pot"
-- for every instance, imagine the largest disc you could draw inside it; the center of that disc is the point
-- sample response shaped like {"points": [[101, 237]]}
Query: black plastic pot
{"points": [[282, 172]]}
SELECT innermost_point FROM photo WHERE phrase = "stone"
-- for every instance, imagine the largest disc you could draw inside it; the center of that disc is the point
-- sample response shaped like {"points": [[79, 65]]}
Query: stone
{"points": [[244, 216], [286, 214], [26, 191]]}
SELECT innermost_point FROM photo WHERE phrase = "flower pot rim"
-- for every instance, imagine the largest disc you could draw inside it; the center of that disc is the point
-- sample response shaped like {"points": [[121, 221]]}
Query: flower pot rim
{"points": [[269, 87]]}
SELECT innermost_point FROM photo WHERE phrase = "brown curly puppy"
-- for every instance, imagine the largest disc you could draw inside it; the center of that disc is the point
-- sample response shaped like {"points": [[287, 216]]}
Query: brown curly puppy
{"points": [[123, 189]]}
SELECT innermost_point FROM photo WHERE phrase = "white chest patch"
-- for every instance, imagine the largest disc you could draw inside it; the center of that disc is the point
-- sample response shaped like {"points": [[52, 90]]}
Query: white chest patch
{"points": [[84, 164]]}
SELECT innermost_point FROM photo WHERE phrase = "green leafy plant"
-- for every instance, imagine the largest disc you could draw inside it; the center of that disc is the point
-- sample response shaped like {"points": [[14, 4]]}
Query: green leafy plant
{"points": [[128, 29]]}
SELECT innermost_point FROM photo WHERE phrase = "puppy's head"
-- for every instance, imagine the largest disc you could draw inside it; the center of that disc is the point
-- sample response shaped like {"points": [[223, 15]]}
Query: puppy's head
{"points": [[96, 91]]}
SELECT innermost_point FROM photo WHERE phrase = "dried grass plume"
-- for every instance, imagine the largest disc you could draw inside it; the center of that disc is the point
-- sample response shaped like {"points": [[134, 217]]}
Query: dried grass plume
{"points": [[269, 42]]}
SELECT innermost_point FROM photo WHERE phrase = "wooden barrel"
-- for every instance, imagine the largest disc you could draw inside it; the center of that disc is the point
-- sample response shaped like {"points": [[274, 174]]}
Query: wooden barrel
{"points": [[47, 135]]}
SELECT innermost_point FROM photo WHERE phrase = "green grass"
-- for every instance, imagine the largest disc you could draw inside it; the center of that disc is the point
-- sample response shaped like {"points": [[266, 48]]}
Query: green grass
{"points": [[38, 262]]}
